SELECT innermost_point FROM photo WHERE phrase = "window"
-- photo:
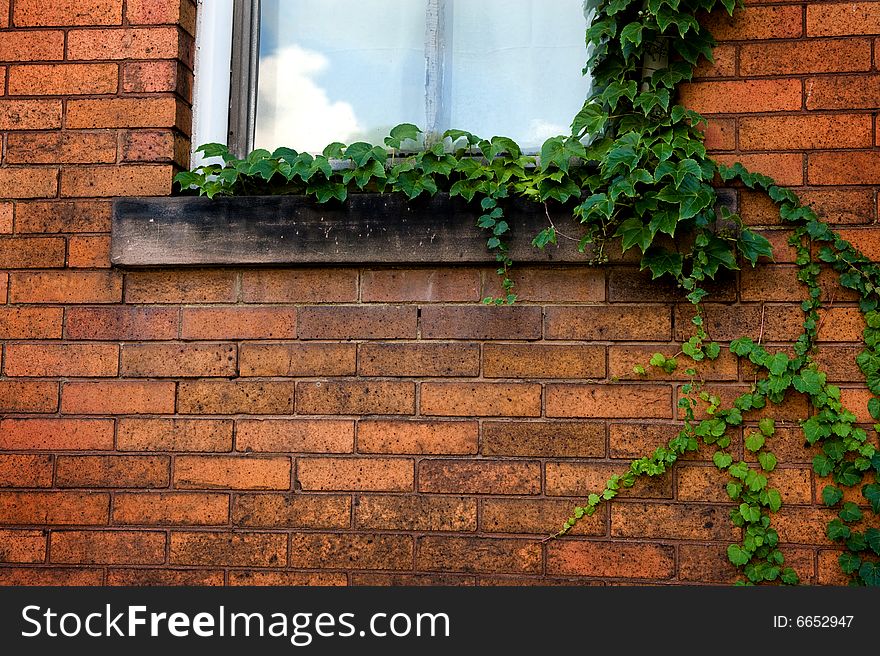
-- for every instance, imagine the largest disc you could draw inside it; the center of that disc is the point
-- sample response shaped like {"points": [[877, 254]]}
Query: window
{"points": [[305, 73]]}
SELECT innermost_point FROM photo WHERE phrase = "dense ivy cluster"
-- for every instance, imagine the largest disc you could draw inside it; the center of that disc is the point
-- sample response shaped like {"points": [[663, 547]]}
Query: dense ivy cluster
{"points": [[635, 169]]}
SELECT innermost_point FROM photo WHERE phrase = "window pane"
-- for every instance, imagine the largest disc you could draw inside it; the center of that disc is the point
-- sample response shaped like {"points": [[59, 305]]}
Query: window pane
{"points": [[339, 70]]}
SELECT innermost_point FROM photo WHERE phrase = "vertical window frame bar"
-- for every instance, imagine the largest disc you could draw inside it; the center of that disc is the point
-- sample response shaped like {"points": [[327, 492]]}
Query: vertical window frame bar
{"points": [[244, 76]]}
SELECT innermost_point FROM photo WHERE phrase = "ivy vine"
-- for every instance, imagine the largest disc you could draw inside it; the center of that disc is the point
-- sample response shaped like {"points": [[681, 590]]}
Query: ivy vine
{"points": [[635, 168]]}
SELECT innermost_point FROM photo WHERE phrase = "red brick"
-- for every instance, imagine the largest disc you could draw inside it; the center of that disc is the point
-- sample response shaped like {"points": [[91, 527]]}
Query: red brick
{"points": [[356, 398], [297, 359], [603, 322], [772, 283], [843, 92], [723, 66], [67, 12], [266, 578], [292, 511], [708, 484], [866, 239], [809, 132], [472, 554], [420, 285], [782, 251], [419, 360], [30, 323], [632, 440], [543, 361], [178, 360], [66, 147], [300, 286], [88, 252], [164, 577], [25, 470], [581, 479], [671, 521], [839, 362], [551, 284], [809, 56], [238, 323], [6, 215], [62, 79], [836, 168], [367, 474], [155, 12], [32, 252], [170, 508], [536, 516], [50, 576], [234, 397], [190, 286], [208, 435], [358, 322], [122, 112], [30, 114], [112, 471], [232, 472], [481, 322], [119, 180], [829, 572], [728, 322], [33, 45], [121, 323], [150, 77], [543, 439], [828, 19], [742, 96], [786, 168], [28, 396], [4, 14], [709, 563], [295, 435], [56, 434], [127, 43], [841, 324], [148, 146], [348, 551], [398, 579], [29, 182], [481, 399], [67, 216], [66, 287], [632, 285], [803, 525], [781, 22], [479, 477], [611, 401], [622, 359], [54, 508], [22, 546], [721, 134], [117, 398], [108, 547], [416, 513], [417, 437], [46, 360]]}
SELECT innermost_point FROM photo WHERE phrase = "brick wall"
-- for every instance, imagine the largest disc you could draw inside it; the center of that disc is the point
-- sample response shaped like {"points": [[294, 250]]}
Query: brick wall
{"points": [[351, 425]]}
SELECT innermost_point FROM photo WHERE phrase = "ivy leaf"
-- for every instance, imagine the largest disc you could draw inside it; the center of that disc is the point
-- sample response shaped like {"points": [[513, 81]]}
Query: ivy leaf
{"points": [[617, 90], [622, 158], [661, 262], [850, 512], [767, 426], [849, 562], [823, 465], [634, 233], [767, 460], [871, 492], [872, 538], [831, 495], [847, 475], [870, 573], [401, 133], [589, 120], [874, 408], [774, 500], [456, 135], [737, 555], [723, 460], [559, 151], [837, 530], [789, 576], [809, 381], [755, 441], [752, 246]]}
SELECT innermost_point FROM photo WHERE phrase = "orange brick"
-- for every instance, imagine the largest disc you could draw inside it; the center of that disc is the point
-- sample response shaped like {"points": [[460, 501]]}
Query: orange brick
{"points": [[867, 240], [265, 578], [828, 19], [622, 359], [349, 551], [708, 484], [148, 146], [88, 252], [805, 132], [238, 323], [46, 360], [810, 56], [150, 77], [297, 359], [231, 472], [709, 563], [43, 45], [62, 79], [803, 525], [22, 546], [127, 43], [843, 92], [25, 470], [723, 66], [856, 401], [860, 167], [368, 474], [417, 437], [402, 578], [299, 286], [358, 322], [721, 134], [30, 114], [481, 399], [54, 508], [603, 322], [121, 323], [419, 360], [772, 283], [180, 287], [841, 324], [32, 252], [420, 285], [66, 287], [236, 550], [4, 14], [165, 577], [209, 435], [6, 216], [479, 477], [578, 479], [829, 572], [481, 322], [29, 182], [108, 547], [631, 440], [61, 147], [57, 216], [839, 362], [122, 112], [551, 284], [68, 12], [543, 361], [50, 576], [671, 521], [234, 397], [117, 398], [170, 508], [356, 398], [178, 360], [611, 401], [786, 168], [742, 96], [55, 434], [326, 511], [781, 22], [415, 513], [544, 439], [472, 554], [155, 12], [295, 435], [112, 471], [728, 322], [133, 180], [537, 516]]}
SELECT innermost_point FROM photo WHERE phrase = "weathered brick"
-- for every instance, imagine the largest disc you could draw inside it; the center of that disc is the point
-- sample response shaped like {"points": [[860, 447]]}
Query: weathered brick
{"points": [[155, 12], [786, 168], [358, 322], [567, 284], [742, 96], [415, 513], [419, 359], [170, 508], [208, 435], [30, 13], [62, 216], [121, 323], [708, 484], [829, 571], [727, 322], [295, 435], [351, 551], [806, 56], [479, 477], [32, 252], [88, 252], [866, 239], [631, 440], [7, 212], [150, 77], [22, 546], [30, 114], [65, 287], [235, 397], [228, 549], [603, 322], [780, 22], [50, 576], [709, 563], [117, 398], [721, 134], [29, 182], [25, 470], [839, 362], [472, 554], [77, 147], [299, 286], [54, 508], [810, 132], [481, 399], [62, 79], [622, 359], [537, 516], [125, 43], [46, 360], [803, 525], [297, 359], [266, 578], [180, 287], [356, 398], [367, 474], [112, 471], [856, 401], [231, 472], [611, 401], [398, 579], [32, 45], [161, 112], [311, 511], [671, 521], [30, 396], [579, 479], [164, 577], [723, 66], [119, 180], [481, 322], [841, 324], [238, 323], [543, 361], [178, 360], [417, 437], [56, 434], [831, 19], [772, 283], [843, 92], [562, 439], [148, 146], [420, 285], [840, 168]]}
